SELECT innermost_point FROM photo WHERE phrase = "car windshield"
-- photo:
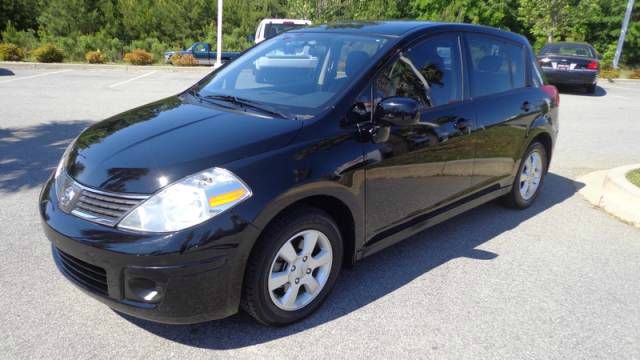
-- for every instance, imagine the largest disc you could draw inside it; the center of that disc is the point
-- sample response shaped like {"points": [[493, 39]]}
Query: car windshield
{"points": [[296, 74], [568, 50]]}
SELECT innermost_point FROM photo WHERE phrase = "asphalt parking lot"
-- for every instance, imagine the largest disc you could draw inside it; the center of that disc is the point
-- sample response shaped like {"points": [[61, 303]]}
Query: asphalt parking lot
{"points": [[556, 281]]}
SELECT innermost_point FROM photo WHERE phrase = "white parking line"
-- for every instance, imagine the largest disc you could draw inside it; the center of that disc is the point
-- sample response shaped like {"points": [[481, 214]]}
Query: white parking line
{"points": [[133, 79], [33, 76]]}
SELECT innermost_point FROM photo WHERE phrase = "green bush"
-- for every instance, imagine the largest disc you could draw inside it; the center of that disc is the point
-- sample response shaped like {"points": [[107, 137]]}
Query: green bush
{"points": [[94, 57], [184, 60], [10, 52], [139, 57], [48, 53], [24, 39], [635, 74]]}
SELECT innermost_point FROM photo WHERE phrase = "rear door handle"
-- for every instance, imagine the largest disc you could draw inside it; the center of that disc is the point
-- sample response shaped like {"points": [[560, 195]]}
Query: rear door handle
{"points": [[526, 106]]}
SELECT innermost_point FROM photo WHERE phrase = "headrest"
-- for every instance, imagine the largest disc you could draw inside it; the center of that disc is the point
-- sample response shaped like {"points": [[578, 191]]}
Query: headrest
{"points": [[355, 60], [490, 63]]}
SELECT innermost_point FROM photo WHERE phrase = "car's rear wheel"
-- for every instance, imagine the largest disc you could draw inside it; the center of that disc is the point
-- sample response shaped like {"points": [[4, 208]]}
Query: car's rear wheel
{"points": [[591, 89], [529, 179], [293, 267]]}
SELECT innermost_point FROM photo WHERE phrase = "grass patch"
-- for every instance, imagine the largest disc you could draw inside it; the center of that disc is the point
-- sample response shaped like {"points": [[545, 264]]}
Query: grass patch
{"points": [[634, 177]]}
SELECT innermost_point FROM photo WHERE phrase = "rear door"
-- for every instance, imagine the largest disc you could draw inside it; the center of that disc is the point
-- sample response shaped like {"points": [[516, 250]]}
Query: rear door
{"points": [[504, 106], [420, 167]]}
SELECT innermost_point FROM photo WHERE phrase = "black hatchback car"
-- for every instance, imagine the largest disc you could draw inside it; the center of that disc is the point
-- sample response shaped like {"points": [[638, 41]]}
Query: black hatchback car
{"points": [[311, 151]]}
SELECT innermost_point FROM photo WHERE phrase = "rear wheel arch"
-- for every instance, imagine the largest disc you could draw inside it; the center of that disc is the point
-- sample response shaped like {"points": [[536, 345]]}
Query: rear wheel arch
{"points": [[545, 139]]}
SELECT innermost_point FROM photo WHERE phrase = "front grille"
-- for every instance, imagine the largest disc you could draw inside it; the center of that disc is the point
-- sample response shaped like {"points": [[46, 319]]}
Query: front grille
{"points": [[91, 276], [104, 208]]}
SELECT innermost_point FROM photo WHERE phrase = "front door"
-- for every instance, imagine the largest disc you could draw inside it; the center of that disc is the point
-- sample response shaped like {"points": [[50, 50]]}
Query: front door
{"points": [[415, 169]]}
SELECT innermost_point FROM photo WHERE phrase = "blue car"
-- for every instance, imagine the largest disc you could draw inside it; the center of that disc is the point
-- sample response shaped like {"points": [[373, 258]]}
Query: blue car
{"points": [[201, 51]]}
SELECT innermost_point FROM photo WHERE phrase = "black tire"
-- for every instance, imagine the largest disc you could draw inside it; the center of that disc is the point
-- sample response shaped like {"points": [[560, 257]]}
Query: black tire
{"points": [[591, 89], [514, 198], [256, 299]]}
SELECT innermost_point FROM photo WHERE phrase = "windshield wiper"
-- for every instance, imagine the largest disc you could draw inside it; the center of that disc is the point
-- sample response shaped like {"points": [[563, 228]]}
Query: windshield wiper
{"points": [[246, 103]]}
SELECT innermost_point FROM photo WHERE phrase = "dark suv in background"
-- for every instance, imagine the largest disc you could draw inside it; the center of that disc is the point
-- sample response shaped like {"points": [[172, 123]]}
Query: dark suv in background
{"points": [[567, 63], [312, 150]]}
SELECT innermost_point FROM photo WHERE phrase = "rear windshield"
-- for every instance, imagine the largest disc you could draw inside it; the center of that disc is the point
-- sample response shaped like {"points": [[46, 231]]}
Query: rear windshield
{"points": [[568, 50]]}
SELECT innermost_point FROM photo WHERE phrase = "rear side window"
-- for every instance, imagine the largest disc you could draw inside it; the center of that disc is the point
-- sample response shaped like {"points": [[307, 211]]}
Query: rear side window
{"points": [[496, 66]]}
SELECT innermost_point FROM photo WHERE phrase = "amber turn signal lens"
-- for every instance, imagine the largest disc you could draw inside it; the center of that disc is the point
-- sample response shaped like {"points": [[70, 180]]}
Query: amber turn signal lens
{"points": [[227, 197]]}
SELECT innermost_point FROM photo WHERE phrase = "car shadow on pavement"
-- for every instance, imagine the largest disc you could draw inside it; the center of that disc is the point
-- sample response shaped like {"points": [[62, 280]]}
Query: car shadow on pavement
{"points": [[380, 274], [6, 72], [28, 155], [577, 90]]}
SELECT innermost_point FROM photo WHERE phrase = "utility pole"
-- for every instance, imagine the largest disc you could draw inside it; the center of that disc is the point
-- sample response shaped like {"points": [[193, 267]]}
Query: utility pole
{"points": [[219, 37], [623, 32]]}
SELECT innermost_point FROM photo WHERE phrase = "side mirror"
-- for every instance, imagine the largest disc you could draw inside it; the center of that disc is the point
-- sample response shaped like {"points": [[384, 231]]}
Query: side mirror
{"points": [[251, 38], [398, 111]]}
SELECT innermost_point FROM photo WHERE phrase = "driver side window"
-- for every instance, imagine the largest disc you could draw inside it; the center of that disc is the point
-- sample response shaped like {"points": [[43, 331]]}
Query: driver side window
{"points": [[428, 71], [400, 79]]}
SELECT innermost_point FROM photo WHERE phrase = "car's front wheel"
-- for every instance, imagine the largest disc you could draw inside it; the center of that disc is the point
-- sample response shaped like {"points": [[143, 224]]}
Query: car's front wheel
{"points": [[293, 267]]}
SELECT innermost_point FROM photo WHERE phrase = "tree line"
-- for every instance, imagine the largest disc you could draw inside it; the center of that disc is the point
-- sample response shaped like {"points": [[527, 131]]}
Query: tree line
{"points": [[118, 26]]}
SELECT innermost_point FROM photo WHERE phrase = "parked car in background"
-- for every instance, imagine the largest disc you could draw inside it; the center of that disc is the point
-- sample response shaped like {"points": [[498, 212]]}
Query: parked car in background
{"points": [[569, 63], [269, 28], [251, 190], [201, 51]]}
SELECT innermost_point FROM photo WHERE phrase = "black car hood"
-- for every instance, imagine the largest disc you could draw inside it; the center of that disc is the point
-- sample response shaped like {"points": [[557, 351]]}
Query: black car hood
{"points": [[141, 150]]}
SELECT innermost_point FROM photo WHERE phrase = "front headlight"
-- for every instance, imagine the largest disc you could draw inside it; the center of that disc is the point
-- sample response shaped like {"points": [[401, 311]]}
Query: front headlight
{"points": [[188, 202], [60, 182]]}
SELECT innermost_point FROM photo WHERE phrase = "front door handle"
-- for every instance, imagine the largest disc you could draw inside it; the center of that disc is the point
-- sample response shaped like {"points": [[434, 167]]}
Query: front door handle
{"points": [[526, 106]]}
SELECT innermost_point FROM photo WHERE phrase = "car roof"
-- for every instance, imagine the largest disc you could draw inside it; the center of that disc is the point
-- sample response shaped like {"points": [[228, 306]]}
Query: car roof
{"points": [[403, 28]]}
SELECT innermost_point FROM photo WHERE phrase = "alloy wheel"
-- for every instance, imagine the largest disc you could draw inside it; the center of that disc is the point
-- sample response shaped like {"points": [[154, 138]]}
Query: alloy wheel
{"points": [[530, 175], [300, 270]]}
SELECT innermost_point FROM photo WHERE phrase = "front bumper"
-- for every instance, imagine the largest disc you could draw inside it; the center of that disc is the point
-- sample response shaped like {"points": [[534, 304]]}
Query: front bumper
{"points": [[188, 276], [570, 77]]}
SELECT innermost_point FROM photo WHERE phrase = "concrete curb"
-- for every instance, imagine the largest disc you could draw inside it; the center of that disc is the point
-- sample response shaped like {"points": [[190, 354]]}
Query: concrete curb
{"points": [[611, 191], [125, 67]]}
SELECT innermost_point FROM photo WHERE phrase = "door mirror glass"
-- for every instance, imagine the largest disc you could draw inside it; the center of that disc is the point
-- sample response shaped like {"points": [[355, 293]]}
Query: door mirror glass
{"points": [[397, 111]]}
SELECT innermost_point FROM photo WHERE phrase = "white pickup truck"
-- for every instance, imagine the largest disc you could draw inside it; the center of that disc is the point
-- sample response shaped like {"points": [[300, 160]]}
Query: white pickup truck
{"points": [[269, 28]]}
